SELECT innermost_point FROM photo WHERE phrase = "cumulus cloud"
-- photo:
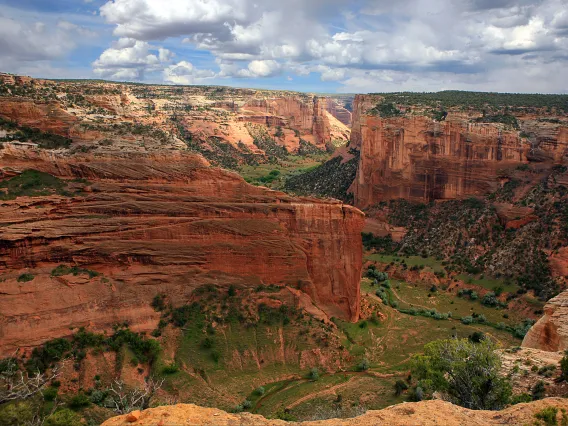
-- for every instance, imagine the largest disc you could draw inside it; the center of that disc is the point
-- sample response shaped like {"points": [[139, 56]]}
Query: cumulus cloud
{"points": [[35, 41], [185, 73], [130, 59], [267, 68], [437, 43]]}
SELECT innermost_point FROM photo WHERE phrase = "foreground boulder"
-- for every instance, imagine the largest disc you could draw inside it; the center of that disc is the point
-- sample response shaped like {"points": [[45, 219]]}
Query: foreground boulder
{"points": [[423, 413], [137, 225]]}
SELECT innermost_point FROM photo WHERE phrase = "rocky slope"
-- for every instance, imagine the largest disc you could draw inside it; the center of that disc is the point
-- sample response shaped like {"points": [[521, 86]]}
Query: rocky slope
{"points": [[550, 333], [145, 224], [417, 414], [413, 156]]}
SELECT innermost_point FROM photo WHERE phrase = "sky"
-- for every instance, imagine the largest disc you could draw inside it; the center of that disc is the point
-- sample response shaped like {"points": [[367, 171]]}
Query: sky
{"points": [[326, 46]]}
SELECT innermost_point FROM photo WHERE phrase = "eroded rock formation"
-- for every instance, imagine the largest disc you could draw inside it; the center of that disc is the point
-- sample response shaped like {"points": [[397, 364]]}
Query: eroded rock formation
{"points": [[160, 223], [550, 333], [417, 158], [423, 413]]}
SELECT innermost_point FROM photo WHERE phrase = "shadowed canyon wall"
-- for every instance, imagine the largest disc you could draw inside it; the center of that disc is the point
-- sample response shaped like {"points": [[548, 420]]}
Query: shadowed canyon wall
{"points": [[160, 223]]}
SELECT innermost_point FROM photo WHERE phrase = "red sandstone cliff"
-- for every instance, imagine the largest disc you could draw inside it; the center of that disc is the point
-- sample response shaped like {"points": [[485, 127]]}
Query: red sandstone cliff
{"points": [[338, 111], [161, 223], [550, 333], [306, 115], [47, 116], [417, 158]]}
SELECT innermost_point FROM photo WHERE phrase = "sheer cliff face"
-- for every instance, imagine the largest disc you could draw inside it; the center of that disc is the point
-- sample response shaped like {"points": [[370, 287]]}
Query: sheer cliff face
{"points": [[307, 115], [550, 333], [161, 224], [419, 159]]}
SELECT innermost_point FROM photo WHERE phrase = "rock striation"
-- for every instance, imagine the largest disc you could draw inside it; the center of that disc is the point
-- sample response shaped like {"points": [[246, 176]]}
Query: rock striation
{"points": [[550, 333], [160, 223], [415, 157], [425, 413]]}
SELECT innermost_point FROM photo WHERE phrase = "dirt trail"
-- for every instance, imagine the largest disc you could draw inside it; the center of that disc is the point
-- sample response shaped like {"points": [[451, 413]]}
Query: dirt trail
{"points": [[328, 391]]}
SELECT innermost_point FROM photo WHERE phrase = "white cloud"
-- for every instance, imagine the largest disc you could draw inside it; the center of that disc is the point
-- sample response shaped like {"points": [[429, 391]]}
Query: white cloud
{"points": [[157, 19], [185, 73], [437, 43], [266, 68], [33, 41], [130, 59]]}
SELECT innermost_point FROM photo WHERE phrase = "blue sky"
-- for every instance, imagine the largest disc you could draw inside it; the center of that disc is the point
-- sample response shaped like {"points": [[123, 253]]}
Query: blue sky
{"points": [[306, 45]]}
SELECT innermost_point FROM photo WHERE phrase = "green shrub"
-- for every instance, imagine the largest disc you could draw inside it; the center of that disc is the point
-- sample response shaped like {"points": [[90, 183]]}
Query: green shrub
{"points": [[548, 416], [564, 367], [490, 299], [399, 387], [79, 401], [466, 373], [538, 391], [170, 369], [363, 365], [260, 391], [159, 302], [97, 396], [24, 278], [49, 394], [313, 374], [64, 417]]}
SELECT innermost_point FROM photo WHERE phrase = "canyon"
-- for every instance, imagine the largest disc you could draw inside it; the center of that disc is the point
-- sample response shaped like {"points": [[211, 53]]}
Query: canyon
{"points": [[128, 222], [152, 223]]}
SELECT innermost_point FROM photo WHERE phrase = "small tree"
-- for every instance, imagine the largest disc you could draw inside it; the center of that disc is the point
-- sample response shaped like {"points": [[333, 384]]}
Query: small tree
{"points": [[399, 387], [465, 373], [17, 385], [123, 399], [538, 391], [363, 365], [314, 374], [564, 367]]}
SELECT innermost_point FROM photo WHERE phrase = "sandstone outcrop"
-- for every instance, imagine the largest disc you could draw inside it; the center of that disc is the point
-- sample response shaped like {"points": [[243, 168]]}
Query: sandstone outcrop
{"points": [[153, 223], [47, 116], [417, 158], [423, 413], [550, 333]]}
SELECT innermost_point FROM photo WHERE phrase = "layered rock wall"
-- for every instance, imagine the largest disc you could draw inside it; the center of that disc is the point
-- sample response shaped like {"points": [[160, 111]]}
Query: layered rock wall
{"points": [[338, 111], [165, 223], [419, 159], [46, 116]]}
